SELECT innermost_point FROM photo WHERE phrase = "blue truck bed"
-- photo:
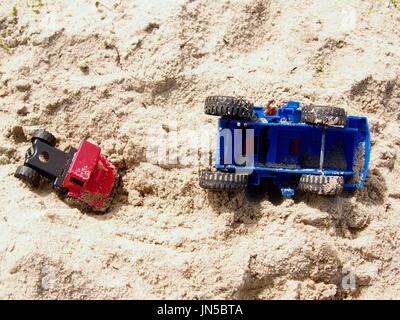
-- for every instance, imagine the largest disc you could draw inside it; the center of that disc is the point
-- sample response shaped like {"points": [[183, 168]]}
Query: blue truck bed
{"points": [[288, 150]]}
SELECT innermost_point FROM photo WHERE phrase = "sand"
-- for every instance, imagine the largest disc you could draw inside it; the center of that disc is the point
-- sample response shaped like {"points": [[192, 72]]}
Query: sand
{"points": [[132, 76]]}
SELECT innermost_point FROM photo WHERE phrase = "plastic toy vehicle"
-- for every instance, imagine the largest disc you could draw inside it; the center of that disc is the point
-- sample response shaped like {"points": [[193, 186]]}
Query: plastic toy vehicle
{"points": [[83, 174], [317, 149]]}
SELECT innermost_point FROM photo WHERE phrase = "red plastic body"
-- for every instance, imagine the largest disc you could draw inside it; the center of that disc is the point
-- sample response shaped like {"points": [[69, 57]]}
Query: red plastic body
{"points": [[90, 177], [270, 111]]}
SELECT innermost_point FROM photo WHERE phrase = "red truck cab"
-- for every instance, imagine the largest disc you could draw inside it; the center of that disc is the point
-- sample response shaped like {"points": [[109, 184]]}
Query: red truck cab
{"points": [[84, 173]]}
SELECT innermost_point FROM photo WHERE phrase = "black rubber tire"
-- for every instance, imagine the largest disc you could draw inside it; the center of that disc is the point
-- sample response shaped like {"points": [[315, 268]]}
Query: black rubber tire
{"points": [[324, 115], [28, 175], [320, 184], [223, 181], [44, 136], [229, 107]]}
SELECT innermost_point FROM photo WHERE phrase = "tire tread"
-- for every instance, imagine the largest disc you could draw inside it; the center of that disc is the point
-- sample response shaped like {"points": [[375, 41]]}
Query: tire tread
{"points": [[222, 181]]}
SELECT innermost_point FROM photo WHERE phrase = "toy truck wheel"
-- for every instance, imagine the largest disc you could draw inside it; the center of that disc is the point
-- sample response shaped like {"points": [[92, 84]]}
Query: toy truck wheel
{"points": [[229, 107], [44, 136], [223, 181], [325, 115], [28, 175], [320, 184]]}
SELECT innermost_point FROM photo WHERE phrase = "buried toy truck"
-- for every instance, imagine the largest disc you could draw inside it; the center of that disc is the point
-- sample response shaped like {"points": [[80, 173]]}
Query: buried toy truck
{"points": [[82, 174], [317, 149]]}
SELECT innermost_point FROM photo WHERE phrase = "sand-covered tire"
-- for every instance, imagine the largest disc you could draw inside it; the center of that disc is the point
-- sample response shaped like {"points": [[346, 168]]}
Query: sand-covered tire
{"points": [[28, 175], [223, 181], [229, 107], [320, 184], [324, 115], [44, 136]]}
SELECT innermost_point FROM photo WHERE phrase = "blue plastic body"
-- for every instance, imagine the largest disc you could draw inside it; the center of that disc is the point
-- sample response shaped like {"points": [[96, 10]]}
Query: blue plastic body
{"points": [[283, 148]]}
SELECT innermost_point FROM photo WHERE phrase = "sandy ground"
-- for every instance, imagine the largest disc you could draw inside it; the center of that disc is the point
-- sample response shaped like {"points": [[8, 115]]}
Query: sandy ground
{"points": [[117, 72]]}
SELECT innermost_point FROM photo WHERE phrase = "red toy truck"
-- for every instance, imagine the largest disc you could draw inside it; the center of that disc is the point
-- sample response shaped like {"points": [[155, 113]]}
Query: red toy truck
{"points": [[84, 173]]}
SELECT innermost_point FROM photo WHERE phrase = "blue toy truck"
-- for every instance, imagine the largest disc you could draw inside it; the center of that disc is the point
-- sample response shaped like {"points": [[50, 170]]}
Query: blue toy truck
{"points": [[312, 148]]}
